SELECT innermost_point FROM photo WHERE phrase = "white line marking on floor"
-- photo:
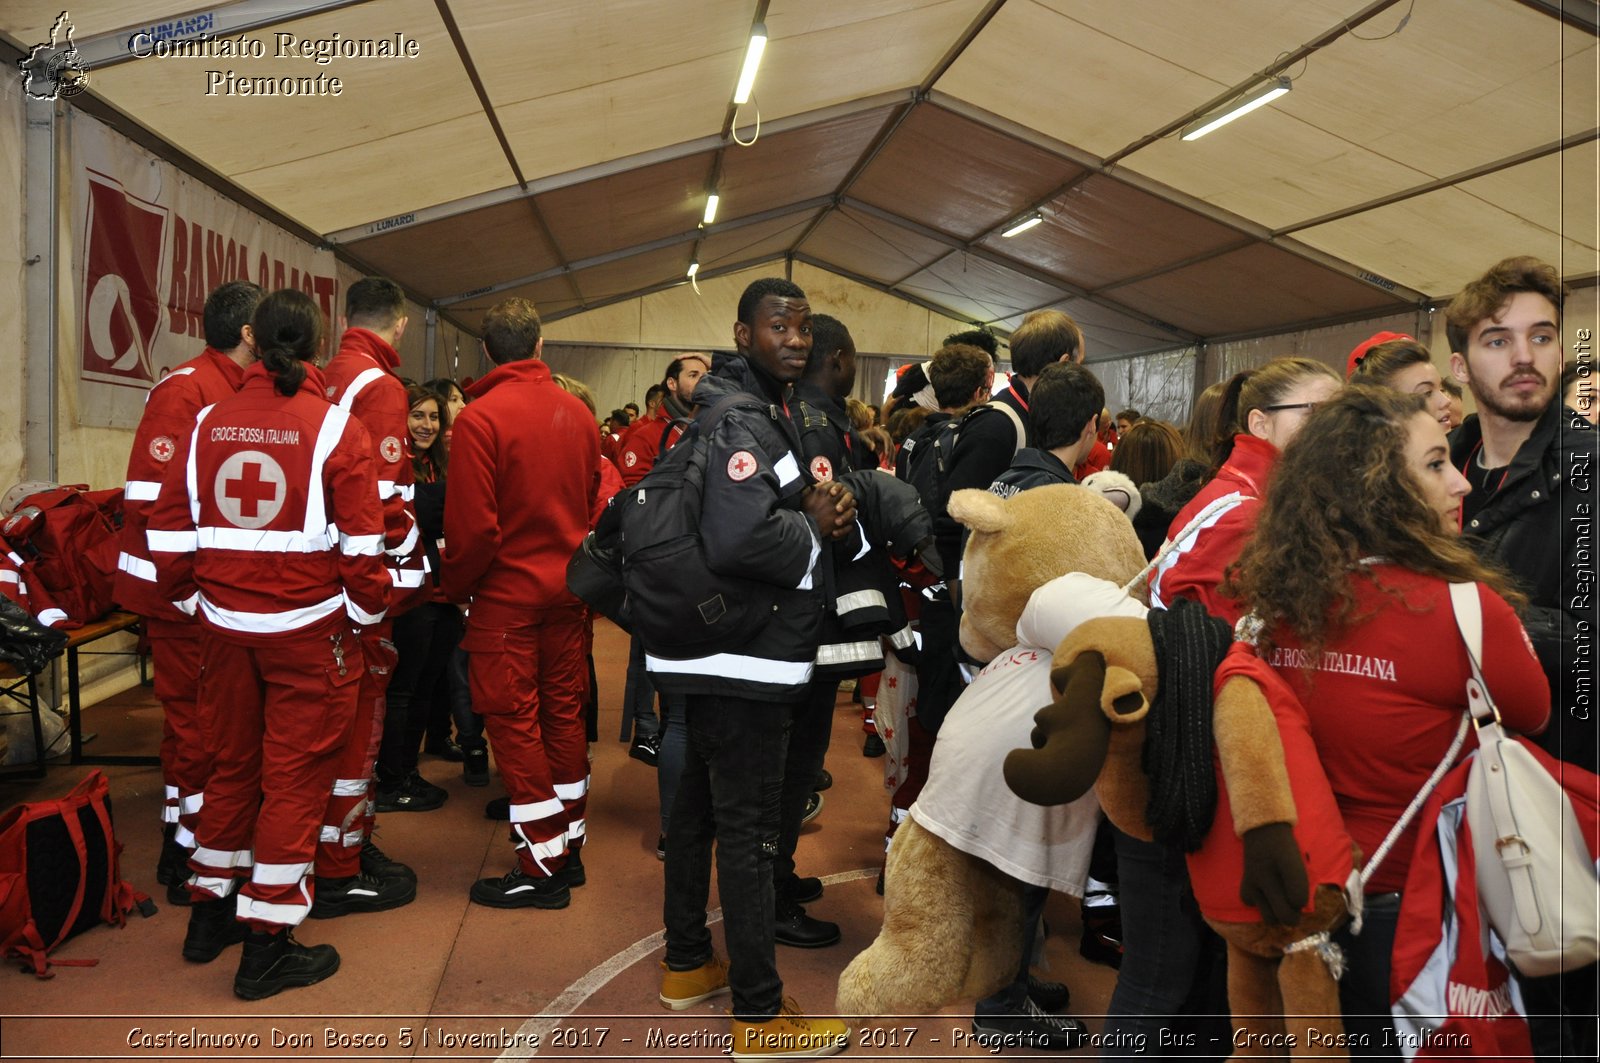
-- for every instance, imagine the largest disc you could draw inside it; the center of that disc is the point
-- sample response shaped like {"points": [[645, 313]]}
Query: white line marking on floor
{"points": [[572, 998]]}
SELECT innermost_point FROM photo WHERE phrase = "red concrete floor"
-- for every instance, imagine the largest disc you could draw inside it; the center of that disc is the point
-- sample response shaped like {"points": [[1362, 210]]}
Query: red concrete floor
{"points": [[446, 979]]}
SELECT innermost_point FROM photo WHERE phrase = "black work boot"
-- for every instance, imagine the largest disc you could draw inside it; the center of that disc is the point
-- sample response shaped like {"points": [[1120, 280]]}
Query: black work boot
{"points": [[172, 867], [212, 928], [274, 962]]}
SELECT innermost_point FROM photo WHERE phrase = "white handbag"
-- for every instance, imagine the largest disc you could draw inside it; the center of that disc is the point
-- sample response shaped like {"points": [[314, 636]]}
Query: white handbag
{"points": [[1536, 877]]}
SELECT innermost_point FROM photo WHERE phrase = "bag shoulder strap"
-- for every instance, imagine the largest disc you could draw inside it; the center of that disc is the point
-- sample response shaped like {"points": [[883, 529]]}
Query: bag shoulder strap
{"points": [[1464, 599]]}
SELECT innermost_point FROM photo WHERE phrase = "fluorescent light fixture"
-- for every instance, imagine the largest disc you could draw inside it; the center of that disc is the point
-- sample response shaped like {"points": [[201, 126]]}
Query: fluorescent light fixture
{"points": [[752, 62], [711, 209], [1258, 97], [1024, 225], [694, 267]]}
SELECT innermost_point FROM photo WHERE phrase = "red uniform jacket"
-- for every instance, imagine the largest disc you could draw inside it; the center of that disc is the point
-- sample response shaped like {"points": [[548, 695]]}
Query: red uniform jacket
{"points": [[1099, 457], [1195, 567], [362, 379], [641, 445], [268, 520], [169, 412], [524, 472]]}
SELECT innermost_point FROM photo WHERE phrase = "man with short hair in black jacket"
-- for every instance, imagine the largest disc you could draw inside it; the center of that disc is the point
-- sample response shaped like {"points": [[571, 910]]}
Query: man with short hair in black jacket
{"points": [[761, 519], [1064, 414], [1530, 461]]}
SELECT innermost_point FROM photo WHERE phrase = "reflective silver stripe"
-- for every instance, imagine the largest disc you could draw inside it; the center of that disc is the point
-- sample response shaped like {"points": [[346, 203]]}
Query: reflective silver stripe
{"points": [[404, 550], [406, 491], [189, 606], [172, 542], [184, 837], [869, 599], [263, 540], [576, 830], [538, 810], [358, 614], [806, 583], [735, 666], [328, 436], [1186, 539], [542, 851], [838, 653], [350, 787], [571, 791], [282, 914], [191, 469], [363, 378], [221, 887], [223, 857], [388, 489], [136, 567], [279, 874], [287, 620], [169, 813], [407, 577], [52, 616], [8, 576], [170, 793], [360, 545], [903, 638], [350, 840], [866, 543], [191, 804], [787, 469], [141, 490]]}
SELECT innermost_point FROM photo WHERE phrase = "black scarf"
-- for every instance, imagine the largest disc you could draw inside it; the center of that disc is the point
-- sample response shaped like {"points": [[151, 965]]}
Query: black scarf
{"points": [[1189, 645]]}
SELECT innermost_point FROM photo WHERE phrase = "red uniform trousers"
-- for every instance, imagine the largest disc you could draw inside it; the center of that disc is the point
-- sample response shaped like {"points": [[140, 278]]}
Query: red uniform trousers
{"points": [[351, 808], [529, 683], [185, 753], [277, 718]]}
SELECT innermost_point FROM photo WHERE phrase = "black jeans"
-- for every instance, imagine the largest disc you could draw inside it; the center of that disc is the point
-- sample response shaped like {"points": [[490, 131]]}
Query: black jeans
{"points": [[424, 638], [808, 746], [728, 795], [1364, 988]]}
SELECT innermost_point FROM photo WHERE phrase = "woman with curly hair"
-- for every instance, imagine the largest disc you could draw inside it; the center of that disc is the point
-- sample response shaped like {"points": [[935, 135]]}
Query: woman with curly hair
{"points": [[1349, 570]]}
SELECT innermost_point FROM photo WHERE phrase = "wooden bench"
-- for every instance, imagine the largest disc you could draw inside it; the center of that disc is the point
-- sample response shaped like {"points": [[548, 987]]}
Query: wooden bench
{"points": [[11, 683]]}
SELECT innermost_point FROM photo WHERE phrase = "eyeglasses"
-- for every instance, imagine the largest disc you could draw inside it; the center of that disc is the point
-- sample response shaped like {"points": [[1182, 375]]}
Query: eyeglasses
{"points": [[1307, 406]]}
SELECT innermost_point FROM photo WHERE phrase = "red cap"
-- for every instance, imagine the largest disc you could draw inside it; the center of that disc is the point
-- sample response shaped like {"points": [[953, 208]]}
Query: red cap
{"points": [[1366, 345]]}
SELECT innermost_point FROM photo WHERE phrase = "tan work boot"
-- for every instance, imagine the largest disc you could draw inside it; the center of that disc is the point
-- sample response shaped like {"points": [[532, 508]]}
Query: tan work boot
{"points": [[789, 1035], [685, 989]]}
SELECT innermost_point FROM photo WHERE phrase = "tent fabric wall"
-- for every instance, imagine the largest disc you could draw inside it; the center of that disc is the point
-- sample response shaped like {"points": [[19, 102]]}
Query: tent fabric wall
{"points": [[1159, 386], [13, 321]]}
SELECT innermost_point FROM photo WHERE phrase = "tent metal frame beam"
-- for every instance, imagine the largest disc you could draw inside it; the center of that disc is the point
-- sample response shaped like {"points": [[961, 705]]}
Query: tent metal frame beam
{"points": [[640, 293], [115, 47], [1209, 211], [1579, 14], [540, 185], [1005, 262], [689, 236]]}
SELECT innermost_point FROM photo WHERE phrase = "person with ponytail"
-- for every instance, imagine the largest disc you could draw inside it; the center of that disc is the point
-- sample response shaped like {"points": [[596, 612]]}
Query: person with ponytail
{"points": [[1405, 365], [1356, 546], [268, 528], [1169, 955], [1261, 411]]}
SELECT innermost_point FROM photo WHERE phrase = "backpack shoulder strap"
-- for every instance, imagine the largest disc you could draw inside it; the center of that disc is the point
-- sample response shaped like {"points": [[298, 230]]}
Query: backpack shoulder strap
{"points": [[1016, 422]]}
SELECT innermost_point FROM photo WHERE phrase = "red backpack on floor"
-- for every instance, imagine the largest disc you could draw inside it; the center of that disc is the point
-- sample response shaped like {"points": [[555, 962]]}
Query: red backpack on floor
{"points": [[59, 875], [67, 539]]}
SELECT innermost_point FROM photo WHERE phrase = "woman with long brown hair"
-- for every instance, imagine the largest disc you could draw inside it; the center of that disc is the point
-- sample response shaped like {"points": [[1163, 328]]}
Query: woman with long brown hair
{"points": [[1349, 571]]}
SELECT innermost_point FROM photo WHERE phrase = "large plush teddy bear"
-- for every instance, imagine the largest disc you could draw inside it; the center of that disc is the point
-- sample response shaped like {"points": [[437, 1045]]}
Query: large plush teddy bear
{"points": [[1275, 821], [953, 883]]}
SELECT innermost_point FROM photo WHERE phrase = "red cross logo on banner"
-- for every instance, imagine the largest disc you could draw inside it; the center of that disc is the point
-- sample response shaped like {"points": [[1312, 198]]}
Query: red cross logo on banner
{"points": [[250, 489], [162, 448], [741, 466], [821, 469]]}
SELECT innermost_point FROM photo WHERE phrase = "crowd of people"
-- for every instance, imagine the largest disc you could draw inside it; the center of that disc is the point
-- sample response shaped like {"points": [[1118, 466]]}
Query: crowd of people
{"points": [[339, 569]]}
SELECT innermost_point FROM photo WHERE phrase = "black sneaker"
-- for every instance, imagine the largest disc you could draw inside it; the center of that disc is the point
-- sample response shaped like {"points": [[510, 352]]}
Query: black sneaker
{"points": [[1050, 996], [375, 862], [517, 890], [813, 807], [824, 780], [274, 962], [213, 926], [475, 767], [792, 926], [360, 893], [1029, 1027], [444, 747], [411, 794], [873, 747], [572, 871], [499, 808], [646, 748]]}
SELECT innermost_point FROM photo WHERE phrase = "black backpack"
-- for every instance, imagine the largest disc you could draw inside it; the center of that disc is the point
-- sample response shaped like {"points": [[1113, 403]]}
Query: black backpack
{"points": [[674, 602], [928, 460]]}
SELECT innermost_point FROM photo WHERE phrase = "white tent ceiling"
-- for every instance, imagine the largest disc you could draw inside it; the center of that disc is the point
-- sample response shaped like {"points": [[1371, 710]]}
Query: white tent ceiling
{"points": [[562, 149]]}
